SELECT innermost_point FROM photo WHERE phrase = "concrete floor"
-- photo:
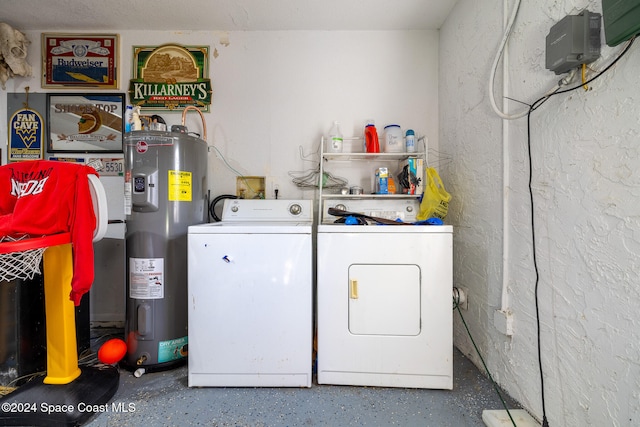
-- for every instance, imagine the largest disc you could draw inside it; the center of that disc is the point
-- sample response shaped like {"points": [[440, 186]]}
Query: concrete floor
{"points": [[164, 399]]}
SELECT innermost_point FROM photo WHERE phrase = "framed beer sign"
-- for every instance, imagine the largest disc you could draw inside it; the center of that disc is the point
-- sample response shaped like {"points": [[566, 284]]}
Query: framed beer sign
{"points": [[80, 61], [170, 77], [87, 123]]}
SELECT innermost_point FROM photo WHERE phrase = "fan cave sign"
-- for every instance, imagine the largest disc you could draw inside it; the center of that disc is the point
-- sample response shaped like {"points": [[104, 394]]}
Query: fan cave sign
{"points": [[26, 135]]}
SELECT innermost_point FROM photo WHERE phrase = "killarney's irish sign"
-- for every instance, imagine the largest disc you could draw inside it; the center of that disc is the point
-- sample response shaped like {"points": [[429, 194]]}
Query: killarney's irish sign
{"points": [[170, 77]]}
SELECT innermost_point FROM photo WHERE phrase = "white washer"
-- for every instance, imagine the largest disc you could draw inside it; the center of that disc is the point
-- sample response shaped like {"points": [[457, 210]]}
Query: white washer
{"points": [[250, 296], [384, 300]]}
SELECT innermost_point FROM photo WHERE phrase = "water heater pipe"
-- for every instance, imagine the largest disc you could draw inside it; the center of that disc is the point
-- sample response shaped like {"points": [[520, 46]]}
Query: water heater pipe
{"points": [[204, 124], [504, 304]]}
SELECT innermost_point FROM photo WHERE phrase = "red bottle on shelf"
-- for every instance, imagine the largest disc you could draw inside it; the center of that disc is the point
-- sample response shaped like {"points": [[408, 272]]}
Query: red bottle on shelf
{"points": [[371, 143]]}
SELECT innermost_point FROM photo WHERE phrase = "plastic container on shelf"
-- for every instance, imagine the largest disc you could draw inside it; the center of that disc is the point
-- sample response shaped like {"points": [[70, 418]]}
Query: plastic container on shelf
{"points": [[128, 118], [136, 122], [410, 141], [371, 143], [335, 140], [393, 142]]}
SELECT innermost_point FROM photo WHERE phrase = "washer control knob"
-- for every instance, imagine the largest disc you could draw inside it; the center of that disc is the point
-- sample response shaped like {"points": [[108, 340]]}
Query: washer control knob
{"points": [[295, 209], [409, 208], [234, 209], [340, 207]]}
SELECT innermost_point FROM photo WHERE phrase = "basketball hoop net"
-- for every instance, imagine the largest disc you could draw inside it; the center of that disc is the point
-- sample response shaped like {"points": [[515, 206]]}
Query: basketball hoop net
{"points": [[20, 258]]}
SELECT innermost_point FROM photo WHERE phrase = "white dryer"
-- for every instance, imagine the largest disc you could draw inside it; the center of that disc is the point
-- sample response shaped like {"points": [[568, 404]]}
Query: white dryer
{"points": [[250, 284], [384, 300]]}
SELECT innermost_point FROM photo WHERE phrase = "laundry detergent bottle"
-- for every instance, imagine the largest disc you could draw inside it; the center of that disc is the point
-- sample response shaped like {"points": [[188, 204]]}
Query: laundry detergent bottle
{"points": [[371, 143]]}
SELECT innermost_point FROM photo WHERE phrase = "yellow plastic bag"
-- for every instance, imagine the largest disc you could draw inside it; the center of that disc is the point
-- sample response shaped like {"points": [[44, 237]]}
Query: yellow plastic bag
{"points": [[435, 200]]}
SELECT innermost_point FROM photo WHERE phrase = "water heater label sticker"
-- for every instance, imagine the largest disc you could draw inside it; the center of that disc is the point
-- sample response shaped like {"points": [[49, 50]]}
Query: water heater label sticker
{"points": [[172, 349], [180, 186], [127, 194], [146, 278]]}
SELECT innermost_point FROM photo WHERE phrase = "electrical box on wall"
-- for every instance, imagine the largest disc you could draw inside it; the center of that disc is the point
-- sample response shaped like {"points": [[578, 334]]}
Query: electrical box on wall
{"points": [[573, 41], [250, 187], [621, 20]]}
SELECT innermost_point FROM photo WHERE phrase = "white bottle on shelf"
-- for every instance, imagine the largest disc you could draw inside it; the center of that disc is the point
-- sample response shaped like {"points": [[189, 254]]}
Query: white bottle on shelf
{"points": [[410, 141], [334, 143], [393, 139]]}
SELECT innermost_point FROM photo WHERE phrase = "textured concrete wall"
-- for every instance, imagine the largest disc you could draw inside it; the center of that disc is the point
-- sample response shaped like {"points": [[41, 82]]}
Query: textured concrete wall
{"points": [[586, 185]]}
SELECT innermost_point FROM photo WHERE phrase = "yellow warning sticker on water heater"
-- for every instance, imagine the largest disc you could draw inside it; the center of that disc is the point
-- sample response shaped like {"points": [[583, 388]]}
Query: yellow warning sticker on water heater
{"points": [[180, 186]]}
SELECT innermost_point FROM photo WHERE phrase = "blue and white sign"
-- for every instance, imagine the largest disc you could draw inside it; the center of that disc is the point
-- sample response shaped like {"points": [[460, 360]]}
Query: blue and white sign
{"points": [[26, 135]]}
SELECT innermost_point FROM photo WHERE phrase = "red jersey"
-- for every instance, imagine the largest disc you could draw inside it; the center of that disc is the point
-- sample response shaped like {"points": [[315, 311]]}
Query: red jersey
{"points": [[42, 197]]}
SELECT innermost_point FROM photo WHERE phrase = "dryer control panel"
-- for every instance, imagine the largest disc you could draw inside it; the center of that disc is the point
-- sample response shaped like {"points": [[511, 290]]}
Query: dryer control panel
{"points": [[404, 209]]}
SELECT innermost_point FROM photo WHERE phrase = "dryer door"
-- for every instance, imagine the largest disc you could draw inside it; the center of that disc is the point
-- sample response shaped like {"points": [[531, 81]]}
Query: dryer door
{"points": [[384, 299]]}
